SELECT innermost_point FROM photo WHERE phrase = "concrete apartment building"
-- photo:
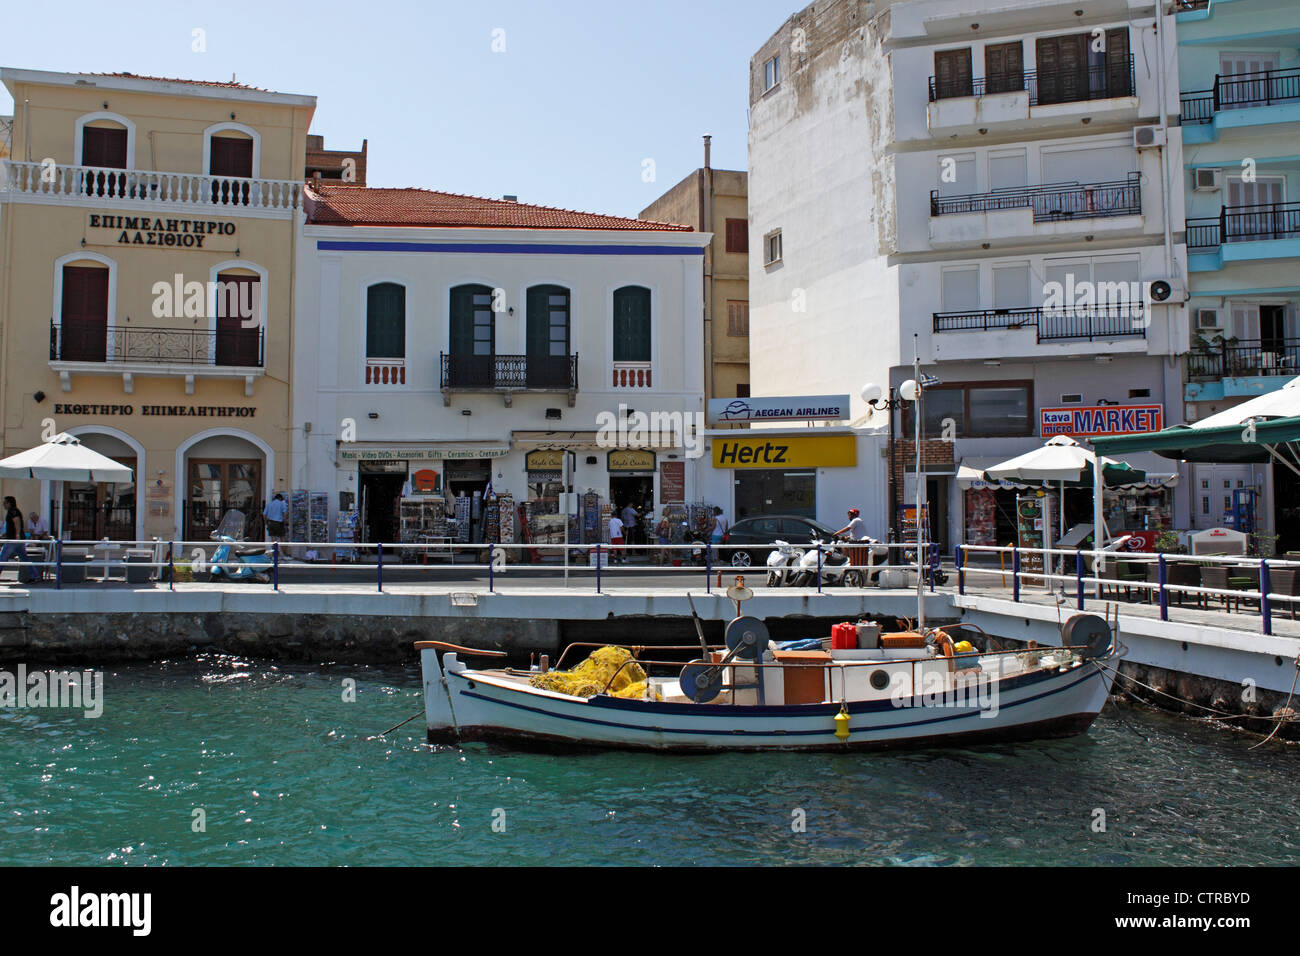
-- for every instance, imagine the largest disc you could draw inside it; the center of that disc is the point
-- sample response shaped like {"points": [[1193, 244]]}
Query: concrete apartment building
{"points": [[1239, 71], [716, 201], [994, 191]]}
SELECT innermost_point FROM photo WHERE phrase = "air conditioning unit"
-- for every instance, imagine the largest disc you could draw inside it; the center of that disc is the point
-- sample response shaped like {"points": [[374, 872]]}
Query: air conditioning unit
{"points": [[1207, 180], [1167, 291], [1148, 137], [1207, 320]]}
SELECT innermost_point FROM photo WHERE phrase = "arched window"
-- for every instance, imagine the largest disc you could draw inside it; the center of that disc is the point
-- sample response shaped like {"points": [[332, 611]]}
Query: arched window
{"points": [[386, 321], [548, 336], [83, 313], [471, 338], [386, 334], [632, 324]]}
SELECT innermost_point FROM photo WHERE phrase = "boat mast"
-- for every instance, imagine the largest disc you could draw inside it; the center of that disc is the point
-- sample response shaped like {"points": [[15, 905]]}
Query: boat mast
{"points": [[921, 545]]}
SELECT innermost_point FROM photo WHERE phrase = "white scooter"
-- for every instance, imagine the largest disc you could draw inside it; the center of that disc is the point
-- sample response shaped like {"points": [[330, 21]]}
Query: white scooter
{"points": [[782, 563], [834, 567]]}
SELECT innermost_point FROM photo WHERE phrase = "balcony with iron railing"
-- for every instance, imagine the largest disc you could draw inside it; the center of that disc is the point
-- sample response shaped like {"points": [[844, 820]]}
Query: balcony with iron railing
{"points": [[1031, 212], [509, 374], [142, 189], [1245, 224], [1239, 91], [1245, 358], [129, 350], [1021, 99], [1053, 324]]}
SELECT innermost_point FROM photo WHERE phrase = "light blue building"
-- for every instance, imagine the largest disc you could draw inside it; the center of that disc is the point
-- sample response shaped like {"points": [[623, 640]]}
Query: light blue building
{"points": [[1239, 69]]}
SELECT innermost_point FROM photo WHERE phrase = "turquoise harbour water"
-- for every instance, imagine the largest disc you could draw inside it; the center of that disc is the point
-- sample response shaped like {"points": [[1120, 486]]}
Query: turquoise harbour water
{"points": [[286, 773]]}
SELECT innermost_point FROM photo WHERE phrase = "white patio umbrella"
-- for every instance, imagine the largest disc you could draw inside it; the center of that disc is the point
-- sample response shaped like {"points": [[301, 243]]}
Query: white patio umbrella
{"points": [[1060, 460], [1280, 403], [64, 458]]}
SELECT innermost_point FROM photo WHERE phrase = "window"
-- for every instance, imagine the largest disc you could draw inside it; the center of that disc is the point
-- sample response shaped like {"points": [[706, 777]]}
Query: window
{"points": [[1011, 286], [952, 73], [772, 248], [632, 324], [84, 318], [471, 338], [771, 73], [547, 337], [977, 410], [742, 390], [105, 148], [1139, 393], [386, 321], [737, 317], [738, 236], [1004, 67], [1069, 69], [1008, 169], [238, 321], [231, 156], [1072, 398], [957, 175], [961, 289]]}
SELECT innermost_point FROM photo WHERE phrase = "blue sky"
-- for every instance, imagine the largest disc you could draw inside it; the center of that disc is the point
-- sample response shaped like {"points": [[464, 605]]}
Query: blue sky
{"points": [[584, 92]]}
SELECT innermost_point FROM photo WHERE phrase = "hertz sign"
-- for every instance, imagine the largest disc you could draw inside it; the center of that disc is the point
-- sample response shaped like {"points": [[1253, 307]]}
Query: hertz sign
{"points": [[828, 451]]}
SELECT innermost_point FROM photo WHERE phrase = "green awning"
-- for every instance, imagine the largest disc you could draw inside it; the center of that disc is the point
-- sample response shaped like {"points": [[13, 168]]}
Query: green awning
{"points": [[1226, 443]]}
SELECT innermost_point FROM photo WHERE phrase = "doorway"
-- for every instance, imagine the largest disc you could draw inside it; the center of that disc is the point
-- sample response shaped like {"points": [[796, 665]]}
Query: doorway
{"points": [[380, 493], [93, 510], [637, 491], [936, 493]]}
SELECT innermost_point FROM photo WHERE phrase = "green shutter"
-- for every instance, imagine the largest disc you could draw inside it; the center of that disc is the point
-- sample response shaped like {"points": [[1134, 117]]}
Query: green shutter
{"points": [[632, 324], [386, 321], [545, 314], [461, 337]]}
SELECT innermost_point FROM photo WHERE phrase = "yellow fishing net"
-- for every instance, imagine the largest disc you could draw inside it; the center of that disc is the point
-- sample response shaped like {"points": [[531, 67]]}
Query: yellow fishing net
{"points": [[592, 675]]}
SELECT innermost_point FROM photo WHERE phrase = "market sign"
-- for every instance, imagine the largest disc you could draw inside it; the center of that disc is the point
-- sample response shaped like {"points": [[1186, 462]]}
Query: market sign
{"points": [[627, 459], [823, 451], [1090, 420], [726, 411], [544, 459], [419, 454]]}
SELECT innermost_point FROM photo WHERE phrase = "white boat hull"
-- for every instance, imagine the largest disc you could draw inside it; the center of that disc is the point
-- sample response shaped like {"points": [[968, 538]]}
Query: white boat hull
{"points": [[466, 704]]}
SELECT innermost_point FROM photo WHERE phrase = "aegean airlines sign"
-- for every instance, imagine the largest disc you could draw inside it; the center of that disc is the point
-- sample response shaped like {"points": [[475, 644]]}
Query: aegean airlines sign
{"points": [[724, 411]]}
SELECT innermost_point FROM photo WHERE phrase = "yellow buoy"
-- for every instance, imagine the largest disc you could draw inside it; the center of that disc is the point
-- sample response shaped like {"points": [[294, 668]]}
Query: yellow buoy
{"points": [[842, 723]]}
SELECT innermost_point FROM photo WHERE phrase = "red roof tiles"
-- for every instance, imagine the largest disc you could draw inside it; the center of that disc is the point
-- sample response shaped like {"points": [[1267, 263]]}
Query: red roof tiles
{"points": [[346, 205], [170, 79]]}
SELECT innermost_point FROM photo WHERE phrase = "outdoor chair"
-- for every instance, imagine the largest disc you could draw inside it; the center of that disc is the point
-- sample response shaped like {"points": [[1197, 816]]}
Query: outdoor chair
{"points": [[1286, 581], [1182, 574], [1216, 577], [1133, 573]]}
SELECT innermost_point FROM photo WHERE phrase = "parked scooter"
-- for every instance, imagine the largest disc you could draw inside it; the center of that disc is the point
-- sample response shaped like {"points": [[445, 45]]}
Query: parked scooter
{"points": [[235, 560], [834, 567], [782, 564]]}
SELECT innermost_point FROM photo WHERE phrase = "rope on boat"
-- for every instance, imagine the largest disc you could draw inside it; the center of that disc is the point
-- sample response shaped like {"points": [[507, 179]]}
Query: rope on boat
{"points": [[391, 729]]}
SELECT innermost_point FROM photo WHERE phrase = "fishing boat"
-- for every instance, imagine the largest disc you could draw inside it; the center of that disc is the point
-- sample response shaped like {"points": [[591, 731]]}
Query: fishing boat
{"points": [[909, 688]]}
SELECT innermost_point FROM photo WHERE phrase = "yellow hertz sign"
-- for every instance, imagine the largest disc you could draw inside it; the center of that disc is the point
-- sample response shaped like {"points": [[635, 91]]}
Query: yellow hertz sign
{"points": [[830, 451]]}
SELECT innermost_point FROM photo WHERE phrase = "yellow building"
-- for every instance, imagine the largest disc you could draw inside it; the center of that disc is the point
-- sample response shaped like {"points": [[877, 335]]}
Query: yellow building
{"points": [[147, 241], [717, 201]]}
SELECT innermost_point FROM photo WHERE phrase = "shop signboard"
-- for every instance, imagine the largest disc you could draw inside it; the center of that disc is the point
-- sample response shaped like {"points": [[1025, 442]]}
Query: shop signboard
{"points": [[822, 451], [1094, 420], [348, 453], [672, 482], [1141, 541], [544, 459], [797, 408], [623, 460]]}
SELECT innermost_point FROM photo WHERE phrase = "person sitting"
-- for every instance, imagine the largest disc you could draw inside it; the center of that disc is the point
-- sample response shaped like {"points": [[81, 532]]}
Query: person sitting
{"points": [[37, 526]]}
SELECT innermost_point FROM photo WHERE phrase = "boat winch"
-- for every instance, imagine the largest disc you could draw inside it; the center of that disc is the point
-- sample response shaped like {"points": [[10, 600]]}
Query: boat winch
{"points": [[1089, 632], [746, 637]]}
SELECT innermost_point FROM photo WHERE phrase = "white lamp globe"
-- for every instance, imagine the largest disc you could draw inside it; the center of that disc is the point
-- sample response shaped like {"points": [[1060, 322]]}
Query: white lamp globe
{"points": [[909, 390], [871, 393]]}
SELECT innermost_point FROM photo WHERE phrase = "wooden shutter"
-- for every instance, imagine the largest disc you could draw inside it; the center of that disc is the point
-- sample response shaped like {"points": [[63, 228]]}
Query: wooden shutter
{"points": [[1004, 67], [1117, 71], [547, 337], [238, 337], [632, 324], [231, 157], [738, 236], [386, 321], [738, 317], [84, 314], [952, 73], [104, 147]]}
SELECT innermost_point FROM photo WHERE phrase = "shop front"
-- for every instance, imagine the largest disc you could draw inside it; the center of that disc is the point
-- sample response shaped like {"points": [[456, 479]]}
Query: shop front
{"points": [[777, 473], [632, 479]]}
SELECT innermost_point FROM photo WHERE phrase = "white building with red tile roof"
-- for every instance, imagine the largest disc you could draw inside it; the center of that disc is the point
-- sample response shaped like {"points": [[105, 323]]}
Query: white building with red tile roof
{"points": [[459, 342]]}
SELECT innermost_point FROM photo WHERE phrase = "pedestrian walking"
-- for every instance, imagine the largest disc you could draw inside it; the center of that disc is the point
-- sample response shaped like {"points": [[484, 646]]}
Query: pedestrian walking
{"points": [[13, 541]]}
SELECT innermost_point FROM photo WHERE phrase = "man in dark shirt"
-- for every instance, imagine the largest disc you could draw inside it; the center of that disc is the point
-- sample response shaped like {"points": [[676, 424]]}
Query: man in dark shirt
{"points": [[13, 545]]}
